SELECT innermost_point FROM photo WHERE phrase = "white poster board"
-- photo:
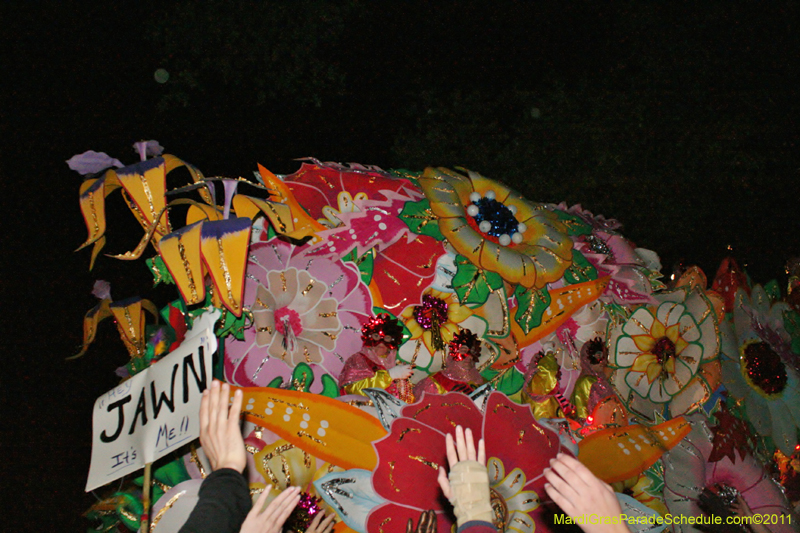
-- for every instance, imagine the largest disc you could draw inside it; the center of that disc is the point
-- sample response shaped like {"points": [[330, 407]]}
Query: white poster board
{"points": [[155, 411]]}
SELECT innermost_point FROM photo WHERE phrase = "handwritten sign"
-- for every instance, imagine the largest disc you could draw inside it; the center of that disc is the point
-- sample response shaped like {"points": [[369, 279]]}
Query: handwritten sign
{"points": [[155, 411]]}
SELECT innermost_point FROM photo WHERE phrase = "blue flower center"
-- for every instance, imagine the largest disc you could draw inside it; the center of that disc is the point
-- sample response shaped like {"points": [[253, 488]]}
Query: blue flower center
{"points": [[498, 215]]}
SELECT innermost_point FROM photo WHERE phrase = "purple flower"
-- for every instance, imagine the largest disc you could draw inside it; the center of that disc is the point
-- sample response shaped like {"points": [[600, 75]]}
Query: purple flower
{"points": [[91, 162]]}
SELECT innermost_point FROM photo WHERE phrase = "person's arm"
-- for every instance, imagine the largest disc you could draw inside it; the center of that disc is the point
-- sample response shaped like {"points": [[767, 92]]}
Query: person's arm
{"points": [[224, 497], [467, 485], [579, 492]]}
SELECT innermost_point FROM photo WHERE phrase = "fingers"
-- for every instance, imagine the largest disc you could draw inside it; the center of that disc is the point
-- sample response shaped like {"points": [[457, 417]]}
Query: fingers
{"points": [[281, 507], [444, 483], [235, 411], [470, 442], [314, 523], [578, 469], [261, 501], [559, 488], [452, 455], [481, 452], [572, 472], [327, 524], [223, 399], [461, 445], [558, 498]]}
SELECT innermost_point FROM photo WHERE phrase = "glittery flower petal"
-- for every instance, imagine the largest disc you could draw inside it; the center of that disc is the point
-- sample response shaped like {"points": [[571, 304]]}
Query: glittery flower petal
{"points": [[692, 355], [310, 293], [308, 351], [692, 395], [626, 352], [408, 464], [323, 317], [645, 343], [520, 522], [444, 412], [756, 407], [513, 431], [263, 321], [644, 361], [283, 286], [783, 429], [639, 323]]}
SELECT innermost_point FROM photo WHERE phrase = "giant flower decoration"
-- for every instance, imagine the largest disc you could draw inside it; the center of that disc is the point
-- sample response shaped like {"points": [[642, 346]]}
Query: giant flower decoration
{"points": [[497, 229], [517, 451], [432, 324], [754, 366], [304, 311], [689, 470], [659, 355]]}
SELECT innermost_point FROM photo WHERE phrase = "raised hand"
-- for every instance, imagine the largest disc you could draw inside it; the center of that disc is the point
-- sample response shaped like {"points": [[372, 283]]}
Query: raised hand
{"points": [[270, 519], [579, 492], [220, 433], [467, 485], [462, 449]]}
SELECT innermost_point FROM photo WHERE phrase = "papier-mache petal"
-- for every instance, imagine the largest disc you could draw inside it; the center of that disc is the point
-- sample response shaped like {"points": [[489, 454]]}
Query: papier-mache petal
{"points": [[510, 432], [91, 162], [408, 465], [350, 493], [224, 245], [443, 412]]}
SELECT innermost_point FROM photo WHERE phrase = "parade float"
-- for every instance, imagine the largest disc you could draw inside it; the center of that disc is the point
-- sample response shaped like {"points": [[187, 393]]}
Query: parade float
{"points": [[540, 321]]}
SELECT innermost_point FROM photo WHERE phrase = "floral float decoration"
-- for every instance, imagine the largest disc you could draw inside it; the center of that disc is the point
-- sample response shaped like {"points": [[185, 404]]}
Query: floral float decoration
{"points": [[660, 354], [409, 457], [759, 367], [554, 295]]}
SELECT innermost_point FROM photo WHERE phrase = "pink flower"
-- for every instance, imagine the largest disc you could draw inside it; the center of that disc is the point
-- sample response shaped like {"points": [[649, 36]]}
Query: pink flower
{"points": [[304, 310]]}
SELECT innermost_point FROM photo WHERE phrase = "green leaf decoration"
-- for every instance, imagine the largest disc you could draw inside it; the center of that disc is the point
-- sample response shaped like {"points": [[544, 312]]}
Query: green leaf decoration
{"points": [[773, 290], [532, 305], [654, 277], [420, 219], [473, 284], [365, 264], [275, 383], [302, 377], [406, 332], [575, 224], [791, 322], [159, 270], [581, 269], [617, 313], [330, 387], [656, 476], [232, 325], [406, 174], [508, 381]]}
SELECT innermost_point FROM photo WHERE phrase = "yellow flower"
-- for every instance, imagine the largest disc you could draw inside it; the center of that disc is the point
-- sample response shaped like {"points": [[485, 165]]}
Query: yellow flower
{"points": [[497, 229], [434, 323]]}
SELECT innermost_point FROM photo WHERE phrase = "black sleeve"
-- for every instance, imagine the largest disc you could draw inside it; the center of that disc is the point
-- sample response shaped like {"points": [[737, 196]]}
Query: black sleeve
{"points": [[224, 501]]}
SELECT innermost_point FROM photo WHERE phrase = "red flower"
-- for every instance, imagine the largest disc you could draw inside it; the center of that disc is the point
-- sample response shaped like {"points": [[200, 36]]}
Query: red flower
{"points": [[517, 451]]}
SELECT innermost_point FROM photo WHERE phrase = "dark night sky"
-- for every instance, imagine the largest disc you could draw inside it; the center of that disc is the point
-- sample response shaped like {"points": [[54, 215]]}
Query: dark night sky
{"points": [[79, 76]]}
